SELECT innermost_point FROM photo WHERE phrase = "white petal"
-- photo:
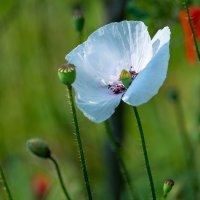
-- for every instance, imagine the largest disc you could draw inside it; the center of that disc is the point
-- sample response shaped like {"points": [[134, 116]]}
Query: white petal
{"points": [[148, 82], [161, 37], [112, 48], [101, 58], [98, 104], [93, 98]]}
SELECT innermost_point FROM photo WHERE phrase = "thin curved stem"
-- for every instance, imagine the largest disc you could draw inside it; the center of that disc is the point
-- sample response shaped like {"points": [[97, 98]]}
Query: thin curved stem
{"points": [[148, 168], [192, 29], [116, 148], [5, 184], [60, 177], [78, 137]]}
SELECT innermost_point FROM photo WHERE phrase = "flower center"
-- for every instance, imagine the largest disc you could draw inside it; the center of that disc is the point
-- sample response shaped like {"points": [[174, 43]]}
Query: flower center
{"points": [[126, 78], [117, 88]]}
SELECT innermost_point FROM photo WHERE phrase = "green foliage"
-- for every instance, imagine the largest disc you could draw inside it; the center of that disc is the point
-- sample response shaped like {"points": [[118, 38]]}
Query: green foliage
{"points": [[35, 35]]}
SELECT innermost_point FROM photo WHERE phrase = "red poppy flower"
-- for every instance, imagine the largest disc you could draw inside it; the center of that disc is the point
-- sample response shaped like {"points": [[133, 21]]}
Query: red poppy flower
{"points": [[40, 187], [189, 42]]}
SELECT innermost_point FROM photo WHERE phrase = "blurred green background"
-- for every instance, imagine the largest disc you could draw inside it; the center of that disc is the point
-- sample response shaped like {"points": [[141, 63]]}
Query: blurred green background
{"points": [[35, 36]]}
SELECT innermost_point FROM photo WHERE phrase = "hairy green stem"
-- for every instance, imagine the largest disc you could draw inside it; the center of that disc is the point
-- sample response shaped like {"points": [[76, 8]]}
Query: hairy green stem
{"points": [[192, 29], [60, 177], [78, 137], [148, 168], [116, 148], [5, 184]]}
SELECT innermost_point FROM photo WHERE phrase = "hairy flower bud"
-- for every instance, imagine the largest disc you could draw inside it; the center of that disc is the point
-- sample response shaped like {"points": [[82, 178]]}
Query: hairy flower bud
{"points": [[168, 184], [39, 148], [78, 19], [67, 74]]}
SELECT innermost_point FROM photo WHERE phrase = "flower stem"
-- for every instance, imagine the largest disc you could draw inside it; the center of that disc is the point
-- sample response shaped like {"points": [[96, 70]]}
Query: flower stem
{"points": [[80, 36], [5, 183], [78, 137], [192, 28], [116, 148], [164, 197], [148, 168], [60, 177]]}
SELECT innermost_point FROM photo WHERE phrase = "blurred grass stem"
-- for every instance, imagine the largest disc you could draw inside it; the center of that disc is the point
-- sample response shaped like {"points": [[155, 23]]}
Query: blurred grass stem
{"points": [[60, 177], [187, 146], [78, 137], [192, 29], [116, 148], [148, 168], [5, 184]]}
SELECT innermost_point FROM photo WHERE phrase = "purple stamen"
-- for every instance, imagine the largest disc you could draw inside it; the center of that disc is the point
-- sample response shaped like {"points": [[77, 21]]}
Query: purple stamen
{"points": [[118, 88], [133, 74]]}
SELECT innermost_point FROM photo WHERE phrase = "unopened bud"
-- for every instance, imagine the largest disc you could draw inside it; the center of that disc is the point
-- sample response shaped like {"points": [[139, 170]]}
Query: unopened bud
{"points": [[78, 19], [67, 74], [168, 184], [39, 148], [172, 94], [125, 77]]}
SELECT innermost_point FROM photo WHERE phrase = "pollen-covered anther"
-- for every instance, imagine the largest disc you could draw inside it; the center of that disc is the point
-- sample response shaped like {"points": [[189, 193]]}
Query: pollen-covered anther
{"points": [[133, 74], [117, 88]]}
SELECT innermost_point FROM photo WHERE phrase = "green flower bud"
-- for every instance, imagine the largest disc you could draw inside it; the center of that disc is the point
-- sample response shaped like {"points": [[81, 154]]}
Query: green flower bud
{"points": [[168, 184], [125, 77], [67, 74], [172, 94], [133, 11], [39, 148], [78, 19]]}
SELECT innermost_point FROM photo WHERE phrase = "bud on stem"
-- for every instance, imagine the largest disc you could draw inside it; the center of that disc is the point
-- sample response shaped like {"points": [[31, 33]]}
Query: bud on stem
{"points": [[168, 184], [67, 74], [39, 148], [172, 94], [78, 19]]}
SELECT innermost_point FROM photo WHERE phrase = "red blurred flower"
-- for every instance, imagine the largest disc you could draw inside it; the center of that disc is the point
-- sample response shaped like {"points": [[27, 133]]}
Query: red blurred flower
{"points": [[189, 42], [40, 187]]}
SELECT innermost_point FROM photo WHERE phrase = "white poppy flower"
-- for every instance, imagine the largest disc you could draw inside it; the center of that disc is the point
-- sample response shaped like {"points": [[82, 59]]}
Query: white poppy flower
{"points": [[100, 60]]}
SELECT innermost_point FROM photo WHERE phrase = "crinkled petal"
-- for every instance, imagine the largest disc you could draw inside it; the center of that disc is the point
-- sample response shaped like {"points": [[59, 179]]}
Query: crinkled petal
{"points": [[93, 98], [148, 81], [100, 60], [161, 37], [113, 47], [99, 103]]}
